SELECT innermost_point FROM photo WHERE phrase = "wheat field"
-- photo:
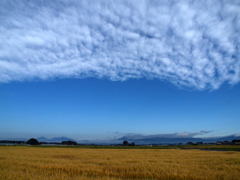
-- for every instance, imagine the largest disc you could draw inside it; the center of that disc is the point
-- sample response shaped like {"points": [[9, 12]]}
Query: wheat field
{"points": [[23, 162]]}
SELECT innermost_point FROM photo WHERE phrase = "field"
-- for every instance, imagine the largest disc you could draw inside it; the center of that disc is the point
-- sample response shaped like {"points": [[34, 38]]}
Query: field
{"points": [[26, 162]]}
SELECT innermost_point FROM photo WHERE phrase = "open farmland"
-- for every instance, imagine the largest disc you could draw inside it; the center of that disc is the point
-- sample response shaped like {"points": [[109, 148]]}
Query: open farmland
{"points": [[23, 162]]}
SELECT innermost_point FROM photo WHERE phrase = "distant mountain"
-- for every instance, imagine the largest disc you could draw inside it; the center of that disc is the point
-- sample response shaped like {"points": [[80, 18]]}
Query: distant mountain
{"points": [[42, 139], [138, 139], [225, 138], [55, 139], [165, 140]]}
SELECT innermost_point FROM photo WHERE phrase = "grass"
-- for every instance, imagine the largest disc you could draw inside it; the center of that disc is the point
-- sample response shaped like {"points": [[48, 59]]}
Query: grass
{"points": [[26, 162], [107, 147], [215, 147]]}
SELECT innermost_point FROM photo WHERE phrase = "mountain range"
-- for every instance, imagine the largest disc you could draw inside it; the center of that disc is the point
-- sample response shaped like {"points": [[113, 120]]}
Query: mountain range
{"points": [[55, 139], [165, 140], [137, 140]]}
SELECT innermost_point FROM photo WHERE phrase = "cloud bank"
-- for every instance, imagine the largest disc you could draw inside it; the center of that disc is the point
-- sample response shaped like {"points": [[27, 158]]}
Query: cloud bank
{"points": [[188, 43], [175, 138], [138, 137]]}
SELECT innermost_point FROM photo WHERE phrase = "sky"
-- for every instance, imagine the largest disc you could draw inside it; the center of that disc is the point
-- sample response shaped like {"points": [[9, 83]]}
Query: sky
{"points": [[107, 69]]}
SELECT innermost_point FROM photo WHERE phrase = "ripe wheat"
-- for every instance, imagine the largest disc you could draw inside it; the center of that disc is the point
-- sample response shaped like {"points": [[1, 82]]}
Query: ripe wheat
{"points": [[76, 163]]}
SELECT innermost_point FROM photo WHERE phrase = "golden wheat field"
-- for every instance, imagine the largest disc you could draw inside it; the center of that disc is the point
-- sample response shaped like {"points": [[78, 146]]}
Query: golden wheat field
{"points": [[23, 162]]}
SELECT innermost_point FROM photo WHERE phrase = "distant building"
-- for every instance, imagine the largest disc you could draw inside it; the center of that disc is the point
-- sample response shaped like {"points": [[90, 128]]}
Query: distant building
{"points": [[223, 143], [226, 142]]}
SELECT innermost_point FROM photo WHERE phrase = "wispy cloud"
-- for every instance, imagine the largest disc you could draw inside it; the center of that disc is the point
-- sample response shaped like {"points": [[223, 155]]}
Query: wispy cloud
{"points": [[189, 43]]}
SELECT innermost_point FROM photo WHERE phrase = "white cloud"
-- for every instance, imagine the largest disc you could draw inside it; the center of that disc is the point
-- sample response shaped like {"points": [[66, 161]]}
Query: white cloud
{"points": [[191, 44]]}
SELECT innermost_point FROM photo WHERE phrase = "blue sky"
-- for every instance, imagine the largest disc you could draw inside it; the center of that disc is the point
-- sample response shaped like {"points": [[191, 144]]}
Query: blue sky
{"points": [[105, 69]]}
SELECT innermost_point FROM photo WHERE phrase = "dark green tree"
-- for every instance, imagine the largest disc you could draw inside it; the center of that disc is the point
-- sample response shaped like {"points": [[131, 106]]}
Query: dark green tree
{"points": [[33, 141], [69, 142], [236, 141], [125, 143]]}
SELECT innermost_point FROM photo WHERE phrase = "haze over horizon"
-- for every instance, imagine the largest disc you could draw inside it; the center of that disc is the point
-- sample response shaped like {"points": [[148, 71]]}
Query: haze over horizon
{"points": [[107, 69]]}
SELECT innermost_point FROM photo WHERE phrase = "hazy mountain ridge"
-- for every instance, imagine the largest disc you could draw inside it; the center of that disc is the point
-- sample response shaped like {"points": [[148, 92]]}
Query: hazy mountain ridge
{"points": [[55, 139], [162, 140], [139, 140]]}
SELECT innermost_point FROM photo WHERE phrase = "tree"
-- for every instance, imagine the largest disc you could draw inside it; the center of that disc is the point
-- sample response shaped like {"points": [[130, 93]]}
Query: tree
{"points": [[125, 143], [33, 141], [236, 141], [69, 142]]}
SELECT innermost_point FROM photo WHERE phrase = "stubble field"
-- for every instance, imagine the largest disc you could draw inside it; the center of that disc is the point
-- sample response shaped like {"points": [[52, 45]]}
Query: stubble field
{"points": [[23, 162]]}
